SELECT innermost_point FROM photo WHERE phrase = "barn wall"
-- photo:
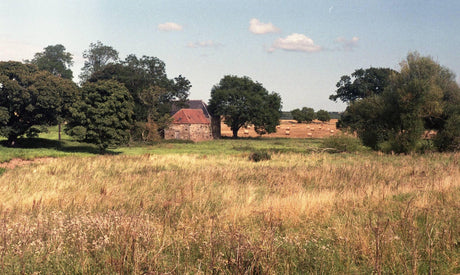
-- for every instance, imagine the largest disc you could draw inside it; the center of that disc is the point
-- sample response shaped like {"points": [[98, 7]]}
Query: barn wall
{"points": [[195, 132]]}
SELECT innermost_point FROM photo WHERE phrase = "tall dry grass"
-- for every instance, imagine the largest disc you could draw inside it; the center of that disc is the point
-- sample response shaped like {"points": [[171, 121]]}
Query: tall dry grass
{"points": [[296, 213]]}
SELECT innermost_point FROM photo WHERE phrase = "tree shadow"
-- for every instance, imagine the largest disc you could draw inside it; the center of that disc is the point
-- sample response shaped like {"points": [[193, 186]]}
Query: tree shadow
{"points": [[62, 146]]}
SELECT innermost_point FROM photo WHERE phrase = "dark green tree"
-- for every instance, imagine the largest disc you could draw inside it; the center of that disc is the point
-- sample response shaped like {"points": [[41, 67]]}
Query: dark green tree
{"points": [[362, 83], [102, 115], [242, 101], [146, 75], [303, 115], [323, 115], [97, 57], [55, 60], [30, 97], [422, 96]]}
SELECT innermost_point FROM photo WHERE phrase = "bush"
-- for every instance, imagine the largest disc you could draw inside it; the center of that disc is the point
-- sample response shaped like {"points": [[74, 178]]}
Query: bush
{"points": [[342, 143], [259, 156]]}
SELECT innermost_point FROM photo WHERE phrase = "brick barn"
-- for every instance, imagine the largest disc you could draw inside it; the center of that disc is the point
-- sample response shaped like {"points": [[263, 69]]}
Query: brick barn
{"points": [[189, 124]]}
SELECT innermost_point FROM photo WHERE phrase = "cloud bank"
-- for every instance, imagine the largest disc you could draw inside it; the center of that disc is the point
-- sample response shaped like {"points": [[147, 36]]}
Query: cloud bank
{"points": [[169, 26], [295, 42], [257, 27]]}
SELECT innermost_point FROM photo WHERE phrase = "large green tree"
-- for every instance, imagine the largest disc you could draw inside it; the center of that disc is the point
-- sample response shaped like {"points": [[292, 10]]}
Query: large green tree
{"points": [[55, 60], [421, 97], [242, 101], [97, 57], [323, 115], [102, 115], [362, 83], [30, 97], [146, 77], [303, 115]]}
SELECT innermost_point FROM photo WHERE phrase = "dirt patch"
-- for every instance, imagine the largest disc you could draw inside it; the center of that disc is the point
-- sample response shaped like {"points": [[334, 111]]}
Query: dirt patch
{"points": [[21, 162], [290, 129]]}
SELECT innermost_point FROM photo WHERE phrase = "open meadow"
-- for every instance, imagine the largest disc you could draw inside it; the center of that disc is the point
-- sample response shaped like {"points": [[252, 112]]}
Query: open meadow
{"points": [[187, 208]]}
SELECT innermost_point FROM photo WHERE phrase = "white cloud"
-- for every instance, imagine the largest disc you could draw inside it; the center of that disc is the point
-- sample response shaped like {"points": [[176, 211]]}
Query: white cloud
{"points": [[204, 44], [348, 45], [295, 42], [16, 50], [170, 26], [257, 27]]}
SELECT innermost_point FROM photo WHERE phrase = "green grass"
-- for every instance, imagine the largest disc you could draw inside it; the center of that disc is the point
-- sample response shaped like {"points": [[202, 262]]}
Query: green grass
{"points": [[47, 145]]}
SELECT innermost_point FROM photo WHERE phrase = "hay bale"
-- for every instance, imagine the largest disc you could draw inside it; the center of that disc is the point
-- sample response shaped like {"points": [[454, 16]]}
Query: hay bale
{"points": [[246, 132], [287, 132], [332, 131], [309, 135], [312, 129]]}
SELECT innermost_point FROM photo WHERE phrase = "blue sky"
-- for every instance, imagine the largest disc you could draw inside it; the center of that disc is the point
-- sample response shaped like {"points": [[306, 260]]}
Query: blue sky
{"points": [[299, 49]]}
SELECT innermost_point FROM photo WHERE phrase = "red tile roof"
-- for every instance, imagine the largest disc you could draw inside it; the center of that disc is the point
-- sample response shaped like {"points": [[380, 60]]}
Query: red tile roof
{"points": [[190, 116]]}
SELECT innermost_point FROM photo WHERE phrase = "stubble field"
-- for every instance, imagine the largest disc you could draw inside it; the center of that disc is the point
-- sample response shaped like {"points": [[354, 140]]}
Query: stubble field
{"points": [[189, 212], [290, 129]]}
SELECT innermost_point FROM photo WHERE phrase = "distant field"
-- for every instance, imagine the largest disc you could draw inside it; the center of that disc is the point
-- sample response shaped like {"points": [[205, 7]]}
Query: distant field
{"points": [[290, 129], [187, 208]]}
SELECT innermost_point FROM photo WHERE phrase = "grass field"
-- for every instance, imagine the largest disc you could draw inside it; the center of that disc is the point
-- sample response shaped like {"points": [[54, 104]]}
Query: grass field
{"points": [[207, 208]]}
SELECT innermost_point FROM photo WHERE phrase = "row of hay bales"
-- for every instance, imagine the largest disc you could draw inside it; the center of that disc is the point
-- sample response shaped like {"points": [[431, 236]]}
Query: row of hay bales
{"points": [[290, 129]]}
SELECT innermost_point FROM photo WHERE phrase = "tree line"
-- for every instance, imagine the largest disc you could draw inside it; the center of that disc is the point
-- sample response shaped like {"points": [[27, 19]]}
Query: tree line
{"points": [[117, 100]]}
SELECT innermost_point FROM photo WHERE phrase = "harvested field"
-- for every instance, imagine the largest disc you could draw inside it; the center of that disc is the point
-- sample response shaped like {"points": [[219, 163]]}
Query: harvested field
{"points": [[290, 129]]}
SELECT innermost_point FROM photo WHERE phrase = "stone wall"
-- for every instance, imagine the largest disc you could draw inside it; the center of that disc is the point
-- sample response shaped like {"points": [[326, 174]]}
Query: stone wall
{"points": [[195, 132]]}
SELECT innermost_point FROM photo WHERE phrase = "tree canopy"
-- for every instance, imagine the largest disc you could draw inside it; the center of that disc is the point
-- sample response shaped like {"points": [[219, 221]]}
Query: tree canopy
{"points": [[97, 57], [303, 115], [242, 101], [146, 78], [365, 83], [30, 97], [55, 60], [422, 96], [323, 115], [102, 115]]}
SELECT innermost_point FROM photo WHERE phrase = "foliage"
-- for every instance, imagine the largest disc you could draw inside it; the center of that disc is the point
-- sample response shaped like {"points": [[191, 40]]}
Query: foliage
{"points": [[242, 101], [97, 57], [29, 97], [55, 60], [102, 115], [259, 156], [342, 143], [305, 114], [323, 115], [365, 83], [417, 99], [146, 80]]}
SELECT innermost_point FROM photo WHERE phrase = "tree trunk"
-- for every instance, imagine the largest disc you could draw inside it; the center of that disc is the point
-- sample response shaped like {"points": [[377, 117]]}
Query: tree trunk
{"points": [[59, 132], [235, 132], [12, 140]]}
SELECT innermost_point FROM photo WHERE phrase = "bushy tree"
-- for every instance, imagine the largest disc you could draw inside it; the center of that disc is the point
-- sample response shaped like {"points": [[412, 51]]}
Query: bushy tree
{"points": [[242, 101], [97, 57], [323, 115], [102, 115], [361, 84], [30, 97], [421, 97], [303, 115], [55, 60], [146, 78]]}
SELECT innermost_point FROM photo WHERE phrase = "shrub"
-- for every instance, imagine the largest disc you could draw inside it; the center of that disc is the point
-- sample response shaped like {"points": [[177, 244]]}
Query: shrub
{"points": [[259, 156], [342, 143]]}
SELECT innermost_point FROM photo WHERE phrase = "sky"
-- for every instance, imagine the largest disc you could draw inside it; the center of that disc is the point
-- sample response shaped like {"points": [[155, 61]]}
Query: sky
{"points": [[296, 48]]}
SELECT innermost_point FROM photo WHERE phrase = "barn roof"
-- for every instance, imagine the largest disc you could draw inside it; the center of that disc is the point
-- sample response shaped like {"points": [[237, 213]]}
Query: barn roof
{"points": [[190, 116], [190, 104]]}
